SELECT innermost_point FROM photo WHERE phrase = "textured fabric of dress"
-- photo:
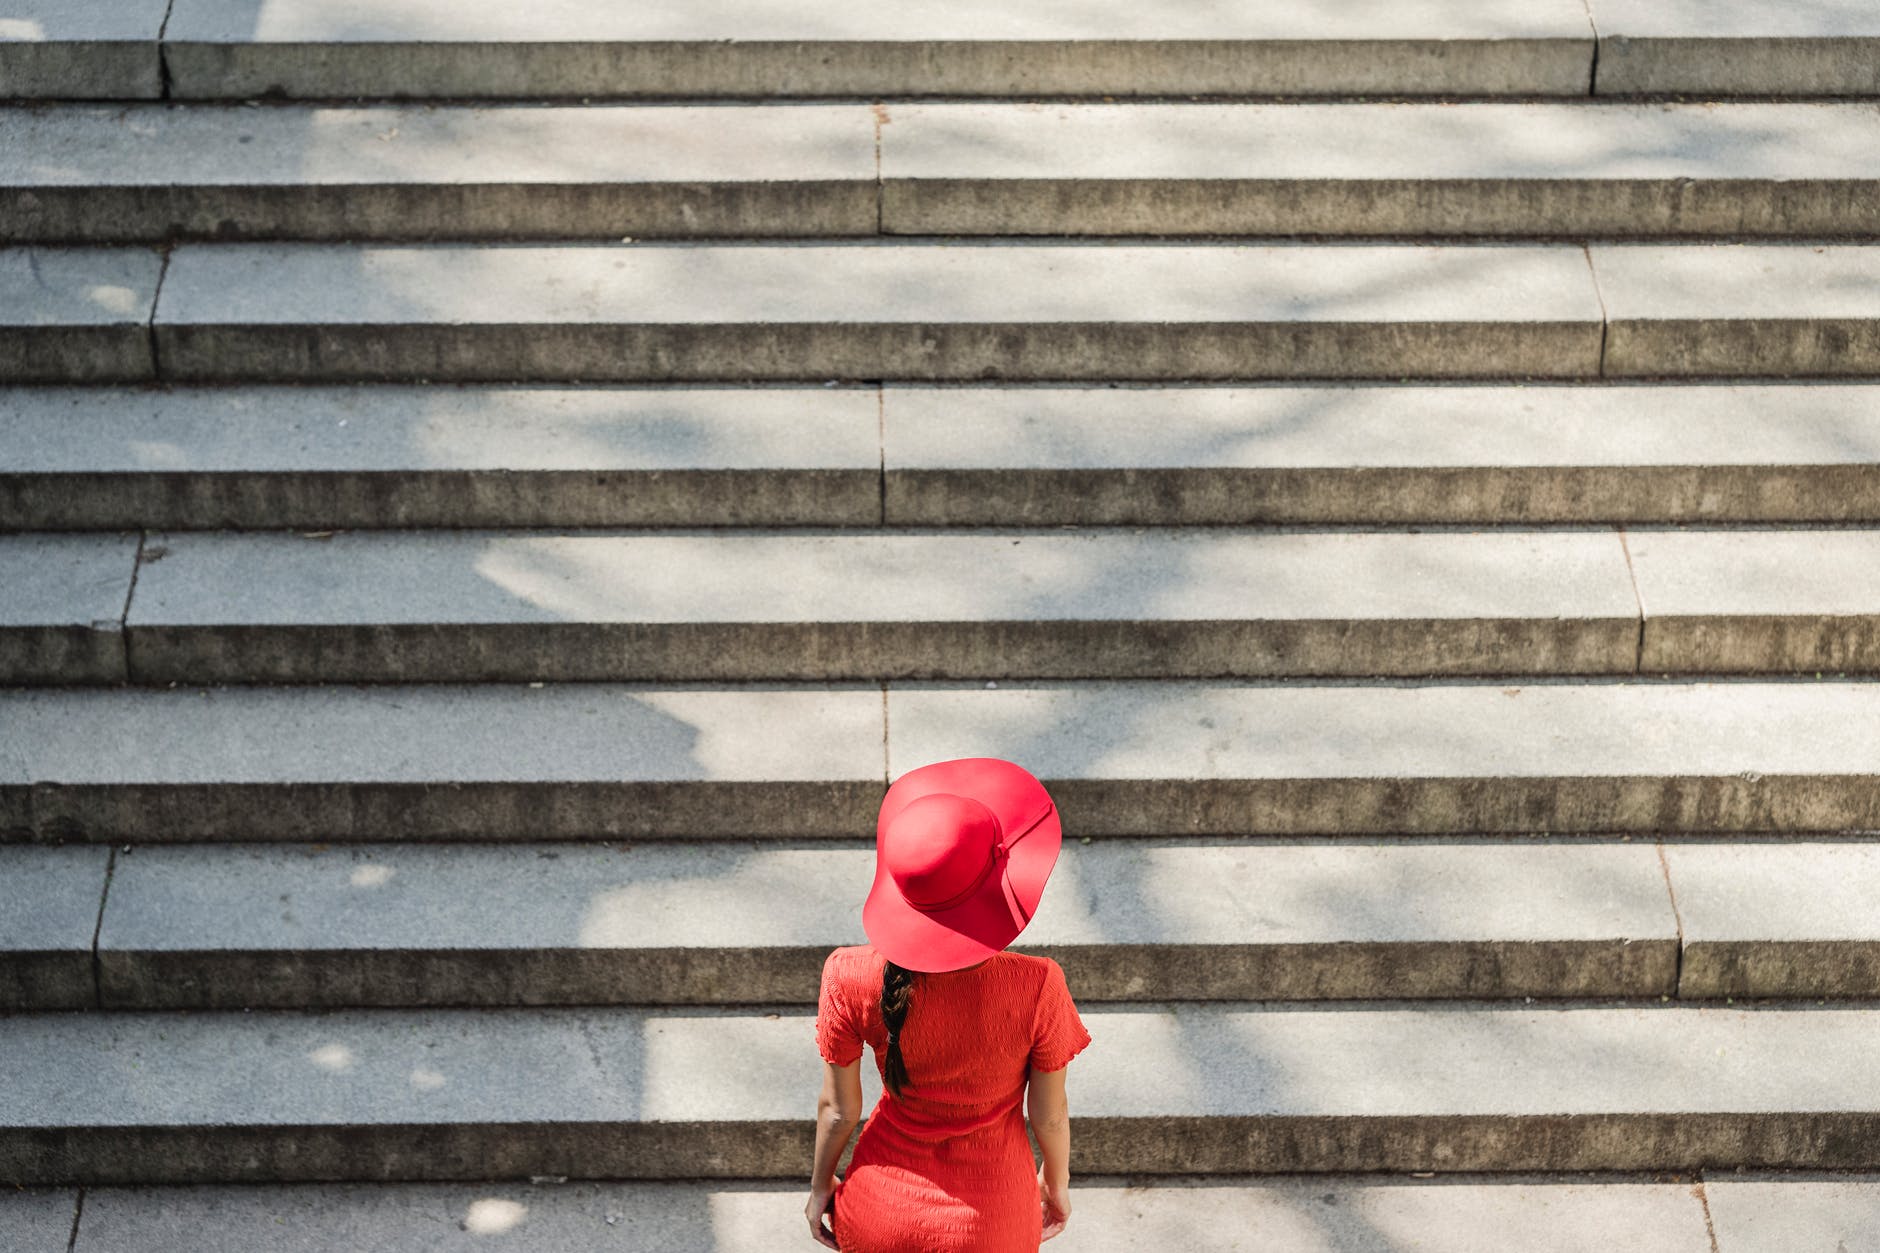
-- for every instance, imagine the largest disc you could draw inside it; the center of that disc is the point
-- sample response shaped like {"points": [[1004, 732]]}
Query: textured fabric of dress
{"points": [[946, 1166]]}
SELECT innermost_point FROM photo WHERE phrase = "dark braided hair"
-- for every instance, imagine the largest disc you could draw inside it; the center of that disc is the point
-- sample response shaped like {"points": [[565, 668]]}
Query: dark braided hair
{"points": [[896, 985]]}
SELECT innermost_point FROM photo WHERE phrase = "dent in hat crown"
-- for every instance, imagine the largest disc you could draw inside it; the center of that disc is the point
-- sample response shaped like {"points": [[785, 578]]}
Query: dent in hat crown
{"points": [[939, 848]]}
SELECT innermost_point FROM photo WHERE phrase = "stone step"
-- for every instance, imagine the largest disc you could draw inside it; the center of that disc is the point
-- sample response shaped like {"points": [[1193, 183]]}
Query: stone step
{"points": [[1736, 48], [468, 606], [51, 901], [148, 174], [1328, 1214], [679, 313], [62, 614], [1677, 1213], [771, 48], [439, 456], [717, 606], [930, 312], [119, 175], [210, 49], [622, 761], [437, 1095], [228, 927], [81, 49], [1580, 171], [77, 315]]}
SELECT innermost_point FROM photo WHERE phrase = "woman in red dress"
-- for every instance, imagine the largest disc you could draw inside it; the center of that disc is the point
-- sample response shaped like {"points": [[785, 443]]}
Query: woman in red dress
{"points": [[969, 1039]]}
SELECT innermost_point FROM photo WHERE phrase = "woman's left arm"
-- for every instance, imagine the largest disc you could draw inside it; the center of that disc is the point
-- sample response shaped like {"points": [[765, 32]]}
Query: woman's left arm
{"points": [[838, 1109]]}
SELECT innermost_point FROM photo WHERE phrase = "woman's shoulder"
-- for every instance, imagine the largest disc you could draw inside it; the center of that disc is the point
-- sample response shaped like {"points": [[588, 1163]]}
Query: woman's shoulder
{"points": [[854, 961], [1031, 971]]}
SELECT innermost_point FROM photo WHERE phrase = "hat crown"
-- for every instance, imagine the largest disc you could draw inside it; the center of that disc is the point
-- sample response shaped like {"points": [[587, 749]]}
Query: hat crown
{"points": [[938, 848]]}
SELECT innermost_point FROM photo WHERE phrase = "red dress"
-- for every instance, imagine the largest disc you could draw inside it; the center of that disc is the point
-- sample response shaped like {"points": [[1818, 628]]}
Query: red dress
{"points": [[946, 1167]]}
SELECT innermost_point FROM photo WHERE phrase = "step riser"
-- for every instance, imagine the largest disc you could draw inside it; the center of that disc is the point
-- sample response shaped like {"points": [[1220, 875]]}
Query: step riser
{"points": [[760, 1150], [915, 352], [367, 812], [496, 498], [496, 811], [130, 215], [69, 354], [447, 652], [872, 69], [1290, 208], [369, 500], [833, 651], [1304, 972]]}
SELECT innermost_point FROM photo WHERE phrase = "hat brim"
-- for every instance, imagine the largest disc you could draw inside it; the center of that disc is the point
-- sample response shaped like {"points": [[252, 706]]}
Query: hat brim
{"points": [[984, 923]]}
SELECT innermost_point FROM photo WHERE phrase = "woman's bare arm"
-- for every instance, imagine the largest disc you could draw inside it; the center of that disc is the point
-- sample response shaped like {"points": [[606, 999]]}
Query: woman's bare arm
{"points": [[1049, 1111], [838, 1109]]}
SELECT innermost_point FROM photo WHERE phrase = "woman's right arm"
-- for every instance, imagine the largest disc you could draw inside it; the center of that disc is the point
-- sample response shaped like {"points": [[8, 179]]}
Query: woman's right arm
{"points": [[1049, 1111]]}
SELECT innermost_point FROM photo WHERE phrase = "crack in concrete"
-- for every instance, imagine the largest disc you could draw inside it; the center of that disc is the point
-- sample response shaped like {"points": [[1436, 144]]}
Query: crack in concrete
{"points": [[166, 84], [881, 448], [886, 778], [1605, 318], [1677, 919], [97, 930], [78, 1213], [1710, 1227], [150, 327], [1638, 599]]}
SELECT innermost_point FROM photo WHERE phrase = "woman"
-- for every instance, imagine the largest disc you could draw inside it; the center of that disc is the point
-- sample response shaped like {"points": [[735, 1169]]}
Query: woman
{"points": [[967, 1036]]}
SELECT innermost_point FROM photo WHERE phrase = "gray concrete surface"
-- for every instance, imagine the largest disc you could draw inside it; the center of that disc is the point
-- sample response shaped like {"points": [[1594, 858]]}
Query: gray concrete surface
{"points": [[81, 49], [728, 48], [406, 456], [1225, 758], [1379, 455], [409, 456], [1759, 601], [1737, 47], [86, 174], [478, 1094], [1788, 919], [1484, 170], [494, 606], [223, 927], [37, 1222], [1109, 1215], [76, 315], [62, 612], [1774, 1214], [49, 904], [1744, 310], [439, 762], [916, 311]]}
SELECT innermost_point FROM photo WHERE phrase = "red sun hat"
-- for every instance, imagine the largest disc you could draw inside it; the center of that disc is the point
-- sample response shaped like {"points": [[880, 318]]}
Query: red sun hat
{"points": [[962, 852]]}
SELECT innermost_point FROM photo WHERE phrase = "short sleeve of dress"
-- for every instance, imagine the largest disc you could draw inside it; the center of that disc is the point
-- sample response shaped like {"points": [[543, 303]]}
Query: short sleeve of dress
{"points": [[838, 1034], [1057, 1033]]}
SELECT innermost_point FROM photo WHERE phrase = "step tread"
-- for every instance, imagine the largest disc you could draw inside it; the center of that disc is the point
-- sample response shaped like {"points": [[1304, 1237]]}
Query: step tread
{"points": [[1652, 282], [577, 1066], [311, 284], [219, 146], [1109, 1215], [239, 578], [1375, 142], [344, 21], [65, 580], [53, 288], [223, 146], [442, 733]]}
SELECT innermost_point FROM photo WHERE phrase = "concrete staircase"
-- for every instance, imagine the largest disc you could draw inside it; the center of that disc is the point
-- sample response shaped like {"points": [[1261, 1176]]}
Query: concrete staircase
{"points": [[492, 497]]}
